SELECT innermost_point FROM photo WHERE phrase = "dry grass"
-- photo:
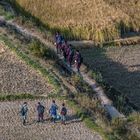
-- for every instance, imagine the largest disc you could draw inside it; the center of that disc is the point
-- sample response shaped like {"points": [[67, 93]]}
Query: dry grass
{"points": [[97, 20], [17, 77]]}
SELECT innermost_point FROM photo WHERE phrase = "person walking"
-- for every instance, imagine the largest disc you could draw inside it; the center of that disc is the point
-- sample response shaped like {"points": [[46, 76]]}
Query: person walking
{"points": [[40, 110], [64, 50], [23, 112], [67, 53], [78, 60], [71, 55], [58, 42], [63, 114], [53, 111]]}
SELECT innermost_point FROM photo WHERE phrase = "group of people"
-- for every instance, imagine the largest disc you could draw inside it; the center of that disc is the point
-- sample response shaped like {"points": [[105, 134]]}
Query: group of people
{"points": [[69, 54], [40, 111]]}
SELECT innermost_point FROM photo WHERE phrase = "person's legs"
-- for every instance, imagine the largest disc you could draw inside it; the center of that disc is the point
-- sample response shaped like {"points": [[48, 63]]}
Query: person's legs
{"points": [[63, 119], [77, 66], [57, 46], [24, 119], [54, 118], [39, 116], [70, 61], [42, 117]]}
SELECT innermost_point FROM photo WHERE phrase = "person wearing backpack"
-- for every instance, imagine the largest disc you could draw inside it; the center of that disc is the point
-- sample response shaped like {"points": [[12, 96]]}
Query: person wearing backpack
{"points": [[78, 60], [53, 111], [71, 55], [40, 110], [58, 42], [63, 114], [64, 50], [23, 112]]}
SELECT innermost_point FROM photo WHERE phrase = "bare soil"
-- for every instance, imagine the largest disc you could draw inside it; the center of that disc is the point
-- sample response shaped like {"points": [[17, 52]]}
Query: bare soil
{"points": [[120, 67], [11, 127], [16, 77]]}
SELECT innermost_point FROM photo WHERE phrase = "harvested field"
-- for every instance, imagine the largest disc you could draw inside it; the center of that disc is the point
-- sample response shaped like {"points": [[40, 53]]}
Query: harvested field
{"points": [[17, 77], [120, 67], [12, 129]]}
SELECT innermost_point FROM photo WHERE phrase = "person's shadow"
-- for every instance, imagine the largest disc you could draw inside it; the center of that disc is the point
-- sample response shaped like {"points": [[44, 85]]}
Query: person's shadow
{"points": [[72, 119], [69, 120]]}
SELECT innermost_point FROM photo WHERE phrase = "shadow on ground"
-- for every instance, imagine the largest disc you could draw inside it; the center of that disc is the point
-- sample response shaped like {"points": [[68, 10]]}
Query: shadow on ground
{"points": [[120, 69]]}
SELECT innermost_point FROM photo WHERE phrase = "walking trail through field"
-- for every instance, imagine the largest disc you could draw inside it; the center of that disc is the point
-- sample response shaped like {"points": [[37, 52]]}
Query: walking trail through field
{"points": [[16, 77], [30, 33]]}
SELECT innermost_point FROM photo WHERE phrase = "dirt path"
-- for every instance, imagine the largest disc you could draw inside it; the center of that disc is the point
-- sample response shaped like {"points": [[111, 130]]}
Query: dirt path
{"points": [[106, 103], [21, 77], [12, 129]]}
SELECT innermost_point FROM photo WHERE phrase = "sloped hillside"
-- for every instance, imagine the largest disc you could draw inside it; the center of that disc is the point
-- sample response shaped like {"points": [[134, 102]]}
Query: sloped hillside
{"points": [[98, 20]]}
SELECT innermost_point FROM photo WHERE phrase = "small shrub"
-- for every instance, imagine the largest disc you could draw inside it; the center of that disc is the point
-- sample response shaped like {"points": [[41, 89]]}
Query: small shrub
{"points": [[35, 48], [39, 50]]}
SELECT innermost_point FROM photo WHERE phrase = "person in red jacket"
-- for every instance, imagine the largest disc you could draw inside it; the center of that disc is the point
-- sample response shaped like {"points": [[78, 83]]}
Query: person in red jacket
{"points": [[40, 110], [63, 114]]}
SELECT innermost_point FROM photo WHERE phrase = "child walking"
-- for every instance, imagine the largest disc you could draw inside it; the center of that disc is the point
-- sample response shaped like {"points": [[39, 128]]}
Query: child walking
{"points": [[23, 112], [63, 114]]}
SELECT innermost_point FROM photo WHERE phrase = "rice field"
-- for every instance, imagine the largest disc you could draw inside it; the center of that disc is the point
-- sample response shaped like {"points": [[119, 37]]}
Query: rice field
{"points": [[119, 66], [98, 20]]}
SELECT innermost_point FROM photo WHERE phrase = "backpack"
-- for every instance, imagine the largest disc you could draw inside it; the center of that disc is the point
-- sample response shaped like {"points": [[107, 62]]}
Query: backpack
{"points": [[42, 108], [22, 111], [64, 111], [53, 109]]}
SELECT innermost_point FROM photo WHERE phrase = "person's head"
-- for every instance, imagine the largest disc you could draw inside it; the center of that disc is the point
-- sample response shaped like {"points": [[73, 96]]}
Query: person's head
{"points": [[65, 41], [53, 101], [25, 103], [77, 51], [57, 33], [63, 104], [39, 103]]}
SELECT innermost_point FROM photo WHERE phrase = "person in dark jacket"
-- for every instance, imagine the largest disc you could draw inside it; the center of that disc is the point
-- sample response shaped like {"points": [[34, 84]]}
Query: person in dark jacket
{"points": [[64, 50], [71, 55], [78, 60], [63, 114], [53, 111], [58, 42], [23, 112], [40, 110]]}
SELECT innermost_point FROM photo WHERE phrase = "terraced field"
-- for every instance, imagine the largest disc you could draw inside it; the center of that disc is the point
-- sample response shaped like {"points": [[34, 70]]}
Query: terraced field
{"points": [[120, 67], [17, 77]]}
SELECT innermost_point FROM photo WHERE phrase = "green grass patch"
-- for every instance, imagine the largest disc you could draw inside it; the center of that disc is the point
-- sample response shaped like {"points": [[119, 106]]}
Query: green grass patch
{"points": [[19, 97]]}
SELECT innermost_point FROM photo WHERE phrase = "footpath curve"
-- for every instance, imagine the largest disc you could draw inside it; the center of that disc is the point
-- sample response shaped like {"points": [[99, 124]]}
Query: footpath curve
{"points": [[105, 102]]}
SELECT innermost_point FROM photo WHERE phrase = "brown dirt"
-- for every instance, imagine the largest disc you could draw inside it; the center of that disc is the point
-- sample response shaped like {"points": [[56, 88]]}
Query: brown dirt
{"points": [[120, 67], [17, 77], [11, 127]]}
